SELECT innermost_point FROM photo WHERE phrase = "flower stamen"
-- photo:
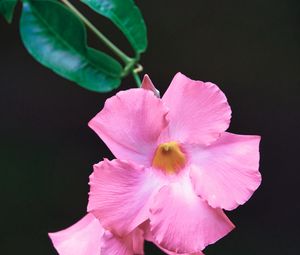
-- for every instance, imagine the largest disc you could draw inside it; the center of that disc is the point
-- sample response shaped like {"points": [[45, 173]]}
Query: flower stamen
{"points": [[169, 157]]}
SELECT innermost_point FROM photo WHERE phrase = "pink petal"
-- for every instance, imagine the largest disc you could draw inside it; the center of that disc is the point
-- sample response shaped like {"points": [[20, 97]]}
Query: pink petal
{"points": [[132, 244], [87, 237], [175, 253], [182, 222], [115, 246], [148, 85], [120, 194], [137, 237], [83, 238], [130, 124], [148, 236], [226, 173], [199, 111]]}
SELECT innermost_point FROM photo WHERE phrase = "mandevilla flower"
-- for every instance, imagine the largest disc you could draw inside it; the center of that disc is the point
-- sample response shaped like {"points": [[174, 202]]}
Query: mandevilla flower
{"points": [[88, 237], [176, 167]]}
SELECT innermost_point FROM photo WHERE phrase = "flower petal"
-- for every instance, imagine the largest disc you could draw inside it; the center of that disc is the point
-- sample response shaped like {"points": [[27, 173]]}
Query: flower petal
{"points": [[148, 85], [120, 194], [83, 238], [182, 222], [175, 253], [131, 244], [226, 173], [137, 236], [199, 111], [148, 236], [130, 124]]}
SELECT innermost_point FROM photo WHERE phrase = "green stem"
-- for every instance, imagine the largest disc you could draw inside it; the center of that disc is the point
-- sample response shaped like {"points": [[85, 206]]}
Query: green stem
{"points": [[129, 62], [102, 37], [137, 79]]}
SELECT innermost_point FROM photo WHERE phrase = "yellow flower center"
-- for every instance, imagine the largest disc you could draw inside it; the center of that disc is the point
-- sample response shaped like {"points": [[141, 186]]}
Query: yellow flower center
{"points": [[169, 157]]}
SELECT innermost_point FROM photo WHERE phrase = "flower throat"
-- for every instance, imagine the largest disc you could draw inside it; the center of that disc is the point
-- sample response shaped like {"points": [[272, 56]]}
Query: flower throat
{"points": [[169, 157]]}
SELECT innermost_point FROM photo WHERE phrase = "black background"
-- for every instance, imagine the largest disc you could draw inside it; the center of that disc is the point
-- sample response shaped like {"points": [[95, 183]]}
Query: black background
{"points": [[251, 49]]}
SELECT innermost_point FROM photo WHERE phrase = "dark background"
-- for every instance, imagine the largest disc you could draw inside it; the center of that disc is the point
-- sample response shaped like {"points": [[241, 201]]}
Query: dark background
{"points": [[251, 49]]}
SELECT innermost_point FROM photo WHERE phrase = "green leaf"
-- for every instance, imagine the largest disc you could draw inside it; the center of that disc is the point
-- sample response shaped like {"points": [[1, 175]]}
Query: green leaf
{"points": [[56, 38], [126, 16], [7, 8]]}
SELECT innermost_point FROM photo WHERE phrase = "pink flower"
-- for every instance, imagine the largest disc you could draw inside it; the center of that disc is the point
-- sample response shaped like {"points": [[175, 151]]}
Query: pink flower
{"points": [[88, 237], [176, 167]]}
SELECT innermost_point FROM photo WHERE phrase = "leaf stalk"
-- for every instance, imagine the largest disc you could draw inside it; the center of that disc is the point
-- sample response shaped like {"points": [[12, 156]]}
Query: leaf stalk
{"points": [[99, 34], [129, 62]]}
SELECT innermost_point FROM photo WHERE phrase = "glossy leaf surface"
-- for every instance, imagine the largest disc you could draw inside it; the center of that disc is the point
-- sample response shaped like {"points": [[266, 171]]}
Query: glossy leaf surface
{"points": [[56, 38], [126, 16], [7, 8]]}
